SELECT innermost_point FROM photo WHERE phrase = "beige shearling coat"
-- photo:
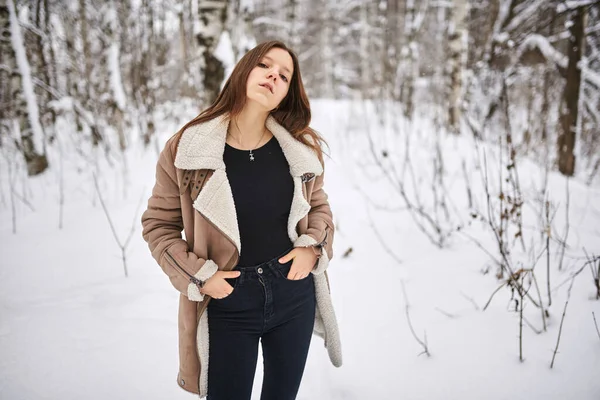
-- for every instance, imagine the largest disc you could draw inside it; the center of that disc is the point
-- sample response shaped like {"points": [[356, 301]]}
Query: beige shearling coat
{"points": [[192, 194]]}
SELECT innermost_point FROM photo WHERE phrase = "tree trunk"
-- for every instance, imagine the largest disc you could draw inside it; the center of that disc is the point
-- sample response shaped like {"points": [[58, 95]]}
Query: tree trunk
{"points": [[240, 29], [118, 105], [147, 75], [327, 34], [365, 60], [570, 97], [42, 67], [86, 51], [458, 62], [410, 60], [392, 46], [23, 99], [53, 72], [213, 14], [88, 96], [292, 20], [183, 50]]}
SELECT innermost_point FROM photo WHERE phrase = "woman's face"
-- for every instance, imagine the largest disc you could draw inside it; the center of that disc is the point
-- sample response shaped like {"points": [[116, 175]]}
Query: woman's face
{"points": [[269, 81]]}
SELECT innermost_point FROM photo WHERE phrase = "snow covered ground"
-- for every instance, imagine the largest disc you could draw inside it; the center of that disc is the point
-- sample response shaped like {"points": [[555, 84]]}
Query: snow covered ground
{"points": [[73, 327]]}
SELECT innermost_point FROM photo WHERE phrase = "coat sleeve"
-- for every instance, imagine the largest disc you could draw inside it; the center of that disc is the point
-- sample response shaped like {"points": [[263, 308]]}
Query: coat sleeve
{"points": [[321, 228], [162, 224]]}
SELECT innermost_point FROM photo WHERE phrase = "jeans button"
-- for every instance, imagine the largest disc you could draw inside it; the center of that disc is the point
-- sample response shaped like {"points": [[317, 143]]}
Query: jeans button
{"points": [[260, 270]]}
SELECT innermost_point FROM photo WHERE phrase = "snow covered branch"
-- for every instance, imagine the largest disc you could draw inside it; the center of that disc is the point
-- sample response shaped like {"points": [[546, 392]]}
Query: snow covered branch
{"points": [[550, 53], [574, 4]]}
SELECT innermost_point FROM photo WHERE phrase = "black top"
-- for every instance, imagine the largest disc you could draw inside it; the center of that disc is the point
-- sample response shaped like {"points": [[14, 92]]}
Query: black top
{"points": [[262, 193]]}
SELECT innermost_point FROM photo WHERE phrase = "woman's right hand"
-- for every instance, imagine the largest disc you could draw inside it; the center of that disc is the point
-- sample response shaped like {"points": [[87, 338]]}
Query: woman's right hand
{"points": [[217, 287]]}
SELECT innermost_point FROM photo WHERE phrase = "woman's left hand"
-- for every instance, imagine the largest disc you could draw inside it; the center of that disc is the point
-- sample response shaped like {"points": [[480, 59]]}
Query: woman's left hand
{"points": [[304, 259]]}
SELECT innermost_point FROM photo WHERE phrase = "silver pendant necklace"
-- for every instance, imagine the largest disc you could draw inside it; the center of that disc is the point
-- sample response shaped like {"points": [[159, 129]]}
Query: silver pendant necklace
{"points": [[252, 154], [259, 140]]}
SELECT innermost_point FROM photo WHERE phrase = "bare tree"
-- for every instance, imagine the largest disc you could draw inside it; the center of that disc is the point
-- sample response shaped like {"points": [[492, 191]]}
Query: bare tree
{"points": [[239, 24], [118, 101], [458, 44], [210, 27], [570, 99], [408, 69], [25, 104]]}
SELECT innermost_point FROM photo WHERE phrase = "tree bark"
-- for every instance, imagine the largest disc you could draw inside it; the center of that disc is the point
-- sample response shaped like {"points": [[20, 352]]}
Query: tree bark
{"points": [[570, 97], [410, 60], [240, 29], [458, 62], [213, 14], [24, 107], [365, 59], [183, 49], [327, 33], [147, 61], [42, 67]]}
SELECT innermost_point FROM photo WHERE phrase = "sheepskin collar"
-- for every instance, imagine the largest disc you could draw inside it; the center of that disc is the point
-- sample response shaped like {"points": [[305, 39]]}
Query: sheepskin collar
{"points": [[202, 147]]}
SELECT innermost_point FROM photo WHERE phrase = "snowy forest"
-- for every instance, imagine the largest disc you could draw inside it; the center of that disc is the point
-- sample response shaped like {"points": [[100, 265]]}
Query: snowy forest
{"points": [[463, 171]]}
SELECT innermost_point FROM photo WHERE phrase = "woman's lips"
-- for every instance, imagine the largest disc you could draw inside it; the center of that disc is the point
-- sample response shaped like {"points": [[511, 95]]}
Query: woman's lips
{"points": [[268, 86]]}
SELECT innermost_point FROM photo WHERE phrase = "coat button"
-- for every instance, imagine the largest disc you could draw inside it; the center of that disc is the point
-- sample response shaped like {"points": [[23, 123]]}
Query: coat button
{"points": [[260, 270], [182, 382]]}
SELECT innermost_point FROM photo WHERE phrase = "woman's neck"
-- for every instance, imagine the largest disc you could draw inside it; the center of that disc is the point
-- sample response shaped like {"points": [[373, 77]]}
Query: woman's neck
{"points": [[248, 129]]}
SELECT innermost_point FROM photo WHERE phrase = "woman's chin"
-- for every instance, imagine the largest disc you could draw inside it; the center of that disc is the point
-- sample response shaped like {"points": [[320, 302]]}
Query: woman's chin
{"points": [[259, 101]]}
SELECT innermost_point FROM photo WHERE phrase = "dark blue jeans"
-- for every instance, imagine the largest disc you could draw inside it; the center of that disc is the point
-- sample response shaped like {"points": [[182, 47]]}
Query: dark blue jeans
{"points": [[265, 306]]}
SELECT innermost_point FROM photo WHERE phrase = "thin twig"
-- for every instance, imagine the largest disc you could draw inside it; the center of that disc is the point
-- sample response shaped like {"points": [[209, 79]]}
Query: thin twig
{"points": [[522, 294], [591, 261], [492, 296], [595, 272], [373, 203], [61, 183], [531, 326], [548, 233], [562, 254], [381, 240], [423, 344], [447, 314], [596, 324], [11, 188], [470, 300], [135, 222], [478, 244], [112, 227], [468, 184], [24, 200], [490, 221], [540, 297], [561, 322]]}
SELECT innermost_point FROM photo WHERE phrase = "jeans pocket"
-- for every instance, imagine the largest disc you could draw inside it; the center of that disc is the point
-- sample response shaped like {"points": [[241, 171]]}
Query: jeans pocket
{"points": [[298, 280], [235, 284], [284, 270]]}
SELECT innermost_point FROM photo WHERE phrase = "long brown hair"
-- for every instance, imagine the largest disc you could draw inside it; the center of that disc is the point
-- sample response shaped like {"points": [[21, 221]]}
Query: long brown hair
{"points": [[293, 113]]}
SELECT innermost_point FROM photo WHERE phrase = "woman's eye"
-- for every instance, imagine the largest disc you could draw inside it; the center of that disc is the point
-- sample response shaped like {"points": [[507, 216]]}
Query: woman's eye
{"points": [[263, 65]]}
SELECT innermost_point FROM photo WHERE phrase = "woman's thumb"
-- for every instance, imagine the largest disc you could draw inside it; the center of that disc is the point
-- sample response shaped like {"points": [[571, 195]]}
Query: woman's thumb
{"points": [[285, 258]]}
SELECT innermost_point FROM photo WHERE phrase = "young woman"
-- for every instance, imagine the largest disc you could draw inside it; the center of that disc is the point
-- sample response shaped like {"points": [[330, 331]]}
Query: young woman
{"points": [[247, 174]]}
